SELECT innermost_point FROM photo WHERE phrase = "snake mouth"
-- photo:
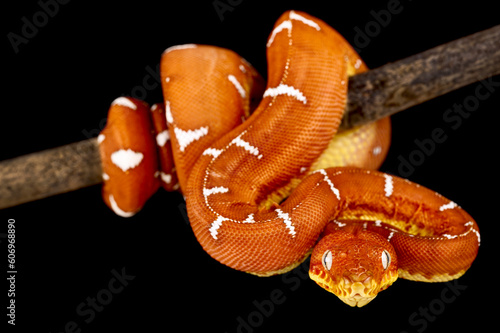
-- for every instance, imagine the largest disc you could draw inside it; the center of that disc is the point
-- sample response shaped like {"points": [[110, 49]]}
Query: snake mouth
{"points": [[357, 300], [355, 294], [358, 293]]}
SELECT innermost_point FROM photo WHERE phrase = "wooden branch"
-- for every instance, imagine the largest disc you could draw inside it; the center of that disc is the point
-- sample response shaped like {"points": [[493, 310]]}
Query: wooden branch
{"points": [[405, 83], [49, 172], [373, 95]]}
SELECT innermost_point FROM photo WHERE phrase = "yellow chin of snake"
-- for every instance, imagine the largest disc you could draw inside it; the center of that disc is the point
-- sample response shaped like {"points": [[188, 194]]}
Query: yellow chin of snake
{"points": [[353, 293]]}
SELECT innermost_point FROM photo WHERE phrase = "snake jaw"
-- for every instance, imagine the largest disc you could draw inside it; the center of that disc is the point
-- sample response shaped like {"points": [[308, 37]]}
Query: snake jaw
{"points": [[348, 290], [354, 266], [358, 295], [353, 294]]}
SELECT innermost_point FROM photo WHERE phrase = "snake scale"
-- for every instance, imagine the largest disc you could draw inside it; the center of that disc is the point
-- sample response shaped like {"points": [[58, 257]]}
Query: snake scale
{"points": [[266, 178]]}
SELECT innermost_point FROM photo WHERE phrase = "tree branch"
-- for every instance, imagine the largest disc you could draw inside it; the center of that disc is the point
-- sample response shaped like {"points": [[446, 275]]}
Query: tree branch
{"points": [[373, 95], [405, 83]]}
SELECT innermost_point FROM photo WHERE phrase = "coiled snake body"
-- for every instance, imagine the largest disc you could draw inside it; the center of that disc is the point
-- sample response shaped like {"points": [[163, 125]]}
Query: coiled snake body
{"points": [[264, 180]]}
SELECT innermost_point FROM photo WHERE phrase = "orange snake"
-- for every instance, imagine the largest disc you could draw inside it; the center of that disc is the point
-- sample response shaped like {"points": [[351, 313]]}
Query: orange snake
{"points": [[264, 180]]}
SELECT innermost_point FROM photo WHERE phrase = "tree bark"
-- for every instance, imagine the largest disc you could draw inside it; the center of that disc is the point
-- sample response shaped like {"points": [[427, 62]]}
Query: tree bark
{"points": [[372, 95]]}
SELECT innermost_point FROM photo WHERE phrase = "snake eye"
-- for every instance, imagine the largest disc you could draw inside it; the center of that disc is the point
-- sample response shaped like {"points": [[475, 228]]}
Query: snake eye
{"points": [[386, 259], [327, 260]]}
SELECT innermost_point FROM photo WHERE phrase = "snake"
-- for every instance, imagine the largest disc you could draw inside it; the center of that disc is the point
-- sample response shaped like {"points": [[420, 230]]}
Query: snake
{"points": [[268, 181]]}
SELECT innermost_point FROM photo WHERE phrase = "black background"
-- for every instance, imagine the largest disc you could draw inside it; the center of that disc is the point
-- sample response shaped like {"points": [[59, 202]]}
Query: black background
{"points": [[56, 91]]}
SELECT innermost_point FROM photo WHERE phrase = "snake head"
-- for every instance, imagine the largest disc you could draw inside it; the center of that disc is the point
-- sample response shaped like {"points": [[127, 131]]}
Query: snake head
{"points": [[355, 266]]}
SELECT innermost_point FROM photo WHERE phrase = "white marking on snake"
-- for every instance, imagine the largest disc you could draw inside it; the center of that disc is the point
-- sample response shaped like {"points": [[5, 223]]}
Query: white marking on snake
{"points": [[118, 210], [251, 149], [474, 231], [167, 178], [185, 138], [478, 236], [100, 138], [295, 16], [283, 89], [124, 101], [388, 186], [242, 69], [283, 25], [340, 224], [249, 219], [377, 150], [287, 221], [214, 228], [126, 159], [213, 152], [162, 138], [105, 176], [449, 236], [214, 190], [449, 205], [329, 182], [180, 47], [168, 113], [238, 86], [390, 236]]}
